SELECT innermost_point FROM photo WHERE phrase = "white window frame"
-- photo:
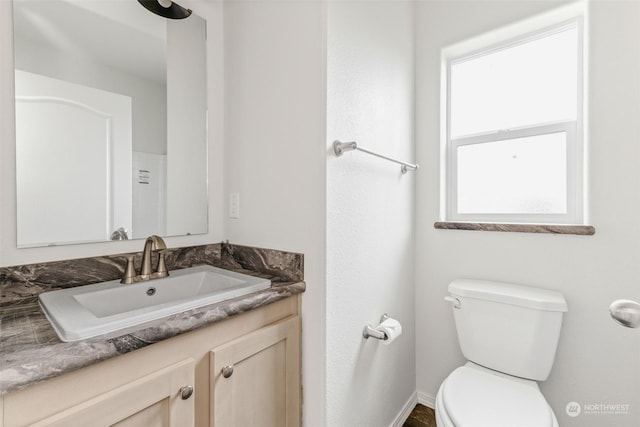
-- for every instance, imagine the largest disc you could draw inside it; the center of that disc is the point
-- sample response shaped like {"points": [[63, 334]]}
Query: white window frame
{"points": [[505, 38]]}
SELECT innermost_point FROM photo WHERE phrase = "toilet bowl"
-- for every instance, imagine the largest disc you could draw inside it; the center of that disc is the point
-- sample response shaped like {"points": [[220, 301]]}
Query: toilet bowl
{"points": [[473, 396], [509, 335]]}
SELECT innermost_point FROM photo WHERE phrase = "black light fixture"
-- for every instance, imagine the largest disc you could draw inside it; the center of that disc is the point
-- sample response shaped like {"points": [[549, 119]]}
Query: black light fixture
{"points": [[166, 8]]}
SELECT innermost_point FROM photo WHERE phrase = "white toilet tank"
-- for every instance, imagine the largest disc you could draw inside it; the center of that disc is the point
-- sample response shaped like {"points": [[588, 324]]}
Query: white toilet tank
{"points": [[508, 328]]}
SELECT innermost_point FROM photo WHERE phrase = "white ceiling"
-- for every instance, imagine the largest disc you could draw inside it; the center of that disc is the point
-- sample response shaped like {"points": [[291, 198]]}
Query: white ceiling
{"points": [[118, 33]]}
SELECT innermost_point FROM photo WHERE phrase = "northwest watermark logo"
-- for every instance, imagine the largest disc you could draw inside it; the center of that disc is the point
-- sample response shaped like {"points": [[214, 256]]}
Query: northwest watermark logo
{"points": [[574, 409]]}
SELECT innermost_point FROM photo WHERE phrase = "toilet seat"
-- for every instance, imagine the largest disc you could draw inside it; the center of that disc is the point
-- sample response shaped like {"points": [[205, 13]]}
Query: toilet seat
{"points": [[473, 396]]}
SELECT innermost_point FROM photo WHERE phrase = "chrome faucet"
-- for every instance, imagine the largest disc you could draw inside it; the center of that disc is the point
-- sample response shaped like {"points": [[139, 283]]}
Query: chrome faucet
{"points": [[153, 243]]}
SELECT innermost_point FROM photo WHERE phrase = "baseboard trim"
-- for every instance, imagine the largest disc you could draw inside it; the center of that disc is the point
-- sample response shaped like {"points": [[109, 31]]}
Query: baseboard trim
{"points": [[406, 411], [426, 399]]}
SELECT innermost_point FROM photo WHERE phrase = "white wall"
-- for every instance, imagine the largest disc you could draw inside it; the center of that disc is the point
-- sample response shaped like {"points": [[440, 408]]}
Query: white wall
{"points": [[370, 211], [597, 360], [275, 154]]}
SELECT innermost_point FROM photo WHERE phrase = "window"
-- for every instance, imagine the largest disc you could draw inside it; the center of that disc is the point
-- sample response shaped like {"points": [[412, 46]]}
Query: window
{"points": [[513, 138]]}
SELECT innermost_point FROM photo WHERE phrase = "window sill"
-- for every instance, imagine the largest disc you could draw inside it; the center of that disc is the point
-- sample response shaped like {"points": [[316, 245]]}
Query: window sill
{"points": [[583, 230]]}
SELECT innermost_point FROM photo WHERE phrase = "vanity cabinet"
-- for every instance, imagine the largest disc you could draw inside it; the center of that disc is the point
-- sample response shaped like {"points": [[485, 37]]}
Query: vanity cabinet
{"points": [[264, 368], [149, 386]]}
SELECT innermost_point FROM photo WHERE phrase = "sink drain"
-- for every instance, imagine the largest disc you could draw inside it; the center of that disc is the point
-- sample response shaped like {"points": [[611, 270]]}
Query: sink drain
{"points": [[151, 291]]}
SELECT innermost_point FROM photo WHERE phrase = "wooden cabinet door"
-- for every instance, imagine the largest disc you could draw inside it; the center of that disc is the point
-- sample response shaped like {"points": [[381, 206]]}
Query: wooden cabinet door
{"points": [[154, 400], [255, 379]]}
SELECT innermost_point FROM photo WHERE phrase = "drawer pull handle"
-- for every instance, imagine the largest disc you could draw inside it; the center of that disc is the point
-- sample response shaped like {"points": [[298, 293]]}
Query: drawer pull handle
{"points": [[227, 371], [186, 391]]}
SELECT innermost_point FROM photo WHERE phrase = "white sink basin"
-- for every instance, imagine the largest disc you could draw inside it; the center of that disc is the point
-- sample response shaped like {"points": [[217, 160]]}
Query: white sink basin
{"points": [[87, 311]]}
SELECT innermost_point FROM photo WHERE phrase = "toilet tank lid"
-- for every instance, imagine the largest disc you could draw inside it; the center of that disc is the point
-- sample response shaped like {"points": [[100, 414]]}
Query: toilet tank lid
{"points": [[508, 293]]}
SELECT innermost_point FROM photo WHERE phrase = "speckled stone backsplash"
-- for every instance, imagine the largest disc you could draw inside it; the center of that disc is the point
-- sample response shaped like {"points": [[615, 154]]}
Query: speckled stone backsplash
{"points": [[23, 284], [286, 266]]}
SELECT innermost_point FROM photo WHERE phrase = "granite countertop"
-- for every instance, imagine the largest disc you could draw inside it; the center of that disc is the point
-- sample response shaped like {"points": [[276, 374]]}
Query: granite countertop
{"points": [[30, 350]]}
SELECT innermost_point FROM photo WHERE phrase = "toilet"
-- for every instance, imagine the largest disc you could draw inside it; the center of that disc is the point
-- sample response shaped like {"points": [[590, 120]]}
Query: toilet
{"points": [[508, 334]]}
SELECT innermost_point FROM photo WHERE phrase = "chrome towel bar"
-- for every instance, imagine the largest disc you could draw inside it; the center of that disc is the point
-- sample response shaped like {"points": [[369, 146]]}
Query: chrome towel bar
{"points": [[340, 147]]}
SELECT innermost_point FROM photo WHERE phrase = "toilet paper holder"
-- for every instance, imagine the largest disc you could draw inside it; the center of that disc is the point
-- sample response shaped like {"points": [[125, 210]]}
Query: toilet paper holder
{"points": [[369, 332]]}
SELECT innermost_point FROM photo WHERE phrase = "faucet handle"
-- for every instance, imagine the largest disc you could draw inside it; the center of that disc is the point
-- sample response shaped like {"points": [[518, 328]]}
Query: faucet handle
{"points": [[129, 271], [161, 270]]}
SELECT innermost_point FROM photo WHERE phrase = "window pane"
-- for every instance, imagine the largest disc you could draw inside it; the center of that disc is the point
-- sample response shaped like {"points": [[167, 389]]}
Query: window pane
{"points": [[514, 176], [529, 83]]}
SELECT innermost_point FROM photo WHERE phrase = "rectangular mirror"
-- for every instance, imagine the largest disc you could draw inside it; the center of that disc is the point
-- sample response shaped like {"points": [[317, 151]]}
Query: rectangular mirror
{"points": [[111, 129]]}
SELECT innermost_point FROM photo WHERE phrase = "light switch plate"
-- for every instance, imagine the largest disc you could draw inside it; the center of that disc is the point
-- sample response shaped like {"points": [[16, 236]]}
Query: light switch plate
{"points": [[234, 205]]}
